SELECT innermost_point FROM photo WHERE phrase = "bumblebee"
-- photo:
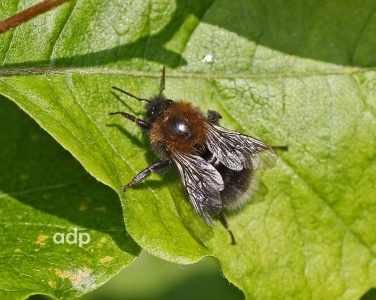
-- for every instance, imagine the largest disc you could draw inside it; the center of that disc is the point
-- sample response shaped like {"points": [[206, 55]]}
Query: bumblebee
{"points": [[216, 165]]}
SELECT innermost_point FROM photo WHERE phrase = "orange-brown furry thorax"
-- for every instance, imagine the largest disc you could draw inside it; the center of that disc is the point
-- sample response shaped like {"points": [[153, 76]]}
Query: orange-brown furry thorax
{"points": [[162, 132]]}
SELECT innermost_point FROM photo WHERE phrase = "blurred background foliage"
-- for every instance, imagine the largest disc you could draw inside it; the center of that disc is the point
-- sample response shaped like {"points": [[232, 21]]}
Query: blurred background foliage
{"points": [[149, 277]]}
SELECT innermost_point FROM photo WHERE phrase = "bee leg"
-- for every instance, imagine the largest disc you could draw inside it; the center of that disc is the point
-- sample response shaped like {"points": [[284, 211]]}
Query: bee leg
{"points": [[285, 147], [214, 117], [158, 166], [225, 223], [138, 122]]}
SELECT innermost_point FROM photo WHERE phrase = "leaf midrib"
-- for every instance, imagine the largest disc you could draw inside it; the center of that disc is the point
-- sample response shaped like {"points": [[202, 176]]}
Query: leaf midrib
{"points": [[5, 72]]}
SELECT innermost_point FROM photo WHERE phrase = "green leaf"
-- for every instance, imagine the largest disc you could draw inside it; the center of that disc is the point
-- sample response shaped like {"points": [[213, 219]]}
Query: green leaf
{"points": [[298, 73], [62, 232]]}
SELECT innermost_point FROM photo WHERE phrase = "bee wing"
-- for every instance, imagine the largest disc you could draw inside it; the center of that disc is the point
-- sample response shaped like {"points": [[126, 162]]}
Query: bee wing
{"points": [[238, 151], [202, 183]]}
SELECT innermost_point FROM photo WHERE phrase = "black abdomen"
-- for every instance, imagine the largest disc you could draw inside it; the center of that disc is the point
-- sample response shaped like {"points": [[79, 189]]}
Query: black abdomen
{"points": [[236, 183]]}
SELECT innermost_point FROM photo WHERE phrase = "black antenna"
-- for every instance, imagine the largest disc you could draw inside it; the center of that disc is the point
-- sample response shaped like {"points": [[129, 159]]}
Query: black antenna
{"points": [[129, 94], [163, 80]]}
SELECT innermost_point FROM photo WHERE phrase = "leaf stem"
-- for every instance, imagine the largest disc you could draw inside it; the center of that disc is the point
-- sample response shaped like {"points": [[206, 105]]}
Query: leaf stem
{"points": [[29, 14]]}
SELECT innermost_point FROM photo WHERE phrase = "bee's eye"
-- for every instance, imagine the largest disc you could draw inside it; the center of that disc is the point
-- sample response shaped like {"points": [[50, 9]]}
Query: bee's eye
{"points": [[169, 102]]}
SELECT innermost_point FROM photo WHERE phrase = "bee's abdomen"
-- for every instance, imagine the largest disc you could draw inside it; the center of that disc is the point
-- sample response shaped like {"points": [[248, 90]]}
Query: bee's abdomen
{"points": [[237, 185]]}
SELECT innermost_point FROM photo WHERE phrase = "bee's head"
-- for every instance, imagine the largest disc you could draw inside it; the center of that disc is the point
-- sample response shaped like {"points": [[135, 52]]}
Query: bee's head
{"points": [[156, 107]]}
